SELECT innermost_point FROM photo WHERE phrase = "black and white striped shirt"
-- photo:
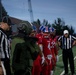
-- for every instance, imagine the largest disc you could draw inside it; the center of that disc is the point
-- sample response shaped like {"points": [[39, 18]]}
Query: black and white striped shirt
{"points": [[4, 45], [66, 43]]}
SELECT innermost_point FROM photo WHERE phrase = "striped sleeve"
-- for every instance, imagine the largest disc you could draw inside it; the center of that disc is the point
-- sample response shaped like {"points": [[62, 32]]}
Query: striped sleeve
{"points": [[59, 39], [4, 46], [73, 38]]}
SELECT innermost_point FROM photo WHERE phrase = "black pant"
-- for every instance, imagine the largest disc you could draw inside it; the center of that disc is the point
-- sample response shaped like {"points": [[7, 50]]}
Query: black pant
{"points": [[22, 72], [7, 66], [68, 56]]}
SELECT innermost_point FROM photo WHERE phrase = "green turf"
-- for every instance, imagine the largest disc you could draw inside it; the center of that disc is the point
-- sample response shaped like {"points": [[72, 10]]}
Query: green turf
{"points": [[59, 66]]}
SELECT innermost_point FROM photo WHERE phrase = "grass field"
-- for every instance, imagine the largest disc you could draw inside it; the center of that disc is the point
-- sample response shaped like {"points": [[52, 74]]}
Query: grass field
{"points": [[59, 66]]}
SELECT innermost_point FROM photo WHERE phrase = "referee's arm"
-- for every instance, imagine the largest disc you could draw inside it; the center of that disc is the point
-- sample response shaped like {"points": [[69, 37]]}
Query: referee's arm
{"points": [[74, 41], [59, 41]]}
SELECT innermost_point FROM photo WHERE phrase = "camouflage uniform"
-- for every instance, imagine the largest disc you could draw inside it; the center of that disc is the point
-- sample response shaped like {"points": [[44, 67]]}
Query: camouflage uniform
{"points": [[25, 51]]}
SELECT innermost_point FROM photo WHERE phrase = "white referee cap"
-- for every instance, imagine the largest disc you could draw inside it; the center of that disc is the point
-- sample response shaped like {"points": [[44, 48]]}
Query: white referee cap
{"points": [[66, 32]]}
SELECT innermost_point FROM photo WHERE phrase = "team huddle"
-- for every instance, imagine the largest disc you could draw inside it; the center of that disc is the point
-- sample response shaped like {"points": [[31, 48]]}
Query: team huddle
{"points": [[47, 41]]}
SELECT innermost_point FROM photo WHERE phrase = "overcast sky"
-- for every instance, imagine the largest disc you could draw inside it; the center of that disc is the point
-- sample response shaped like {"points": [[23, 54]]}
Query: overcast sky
{"points": [[43, 9]]}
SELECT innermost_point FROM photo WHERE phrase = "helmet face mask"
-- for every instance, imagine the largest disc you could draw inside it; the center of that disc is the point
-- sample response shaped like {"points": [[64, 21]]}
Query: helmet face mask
{"points": [[46, 35], [52, 31], [45, 31]]}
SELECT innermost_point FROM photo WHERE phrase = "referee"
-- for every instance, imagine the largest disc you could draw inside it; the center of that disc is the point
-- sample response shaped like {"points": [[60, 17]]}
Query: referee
{"points": [[4, 45], [66, 43]]}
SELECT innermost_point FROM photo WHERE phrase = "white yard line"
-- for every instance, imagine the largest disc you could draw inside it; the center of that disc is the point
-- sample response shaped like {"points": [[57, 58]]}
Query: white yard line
{"points": [[68, 66], [74, 57], [59, 55]]}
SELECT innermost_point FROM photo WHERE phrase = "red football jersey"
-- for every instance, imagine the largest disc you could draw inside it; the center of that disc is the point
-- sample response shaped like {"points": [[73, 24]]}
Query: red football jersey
{"points": [[39, 36], [53, 45], [46, 46]]}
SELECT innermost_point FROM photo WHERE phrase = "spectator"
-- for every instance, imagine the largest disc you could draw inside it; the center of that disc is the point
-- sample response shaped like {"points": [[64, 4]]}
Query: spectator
{"points": [[25, 50]]}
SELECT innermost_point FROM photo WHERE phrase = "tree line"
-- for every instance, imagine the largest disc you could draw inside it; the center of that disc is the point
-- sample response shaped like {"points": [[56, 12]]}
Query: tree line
{"points": [[2, 11], [58, 24]]}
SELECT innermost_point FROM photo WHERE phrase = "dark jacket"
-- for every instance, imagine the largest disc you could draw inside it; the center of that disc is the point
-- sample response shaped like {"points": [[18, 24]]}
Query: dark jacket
{"points": [[24, 54]]}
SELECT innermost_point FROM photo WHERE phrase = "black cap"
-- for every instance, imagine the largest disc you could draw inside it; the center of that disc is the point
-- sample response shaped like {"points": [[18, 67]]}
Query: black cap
{"points": [[7, 20]]}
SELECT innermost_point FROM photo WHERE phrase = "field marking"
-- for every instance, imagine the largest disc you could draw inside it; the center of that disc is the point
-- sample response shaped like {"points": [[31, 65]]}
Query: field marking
{"points": [[68, 66], [59, 55]]}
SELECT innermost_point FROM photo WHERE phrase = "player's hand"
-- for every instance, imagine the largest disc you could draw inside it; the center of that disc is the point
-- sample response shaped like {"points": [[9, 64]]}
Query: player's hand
{"points": [[43, 59], [45, 63], [74, 43]]}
